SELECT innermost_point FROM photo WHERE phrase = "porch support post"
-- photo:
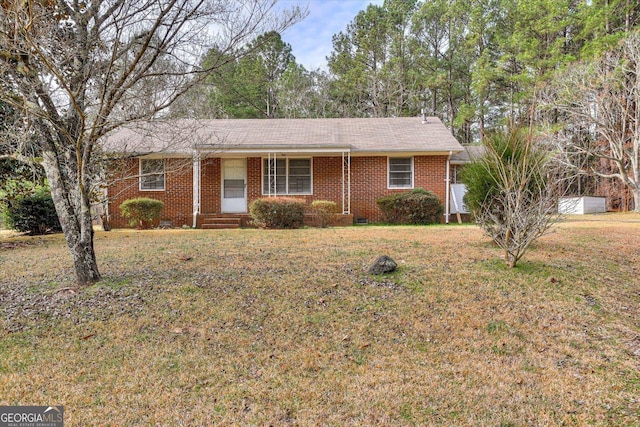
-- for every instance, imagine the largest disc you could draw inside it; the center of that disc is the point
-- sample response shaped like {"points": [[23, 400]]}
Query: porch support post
{"points": [[346, 182], [272, 174], [196, 187]]}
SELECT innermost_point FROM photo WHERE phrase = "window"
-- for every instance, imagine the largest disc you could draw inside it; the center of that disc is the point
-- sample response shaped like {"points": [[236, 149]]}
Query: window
{"points": [[400, 172], [234, 188], [299, 176], [454, 174], [152, 174], [286, 176]]}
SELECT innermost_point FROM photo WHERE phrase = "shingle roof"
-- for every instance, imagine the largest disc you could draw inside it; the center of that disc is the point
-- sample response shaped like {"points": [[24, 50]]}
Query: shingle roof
{"points": [[360, 135], [469, 153]]}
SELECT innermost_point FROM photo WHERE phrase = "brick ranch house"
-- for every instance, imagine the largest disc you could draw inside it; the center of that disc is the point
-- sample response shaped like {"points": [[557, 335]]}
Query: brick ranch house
{"points": [[211, 170]]}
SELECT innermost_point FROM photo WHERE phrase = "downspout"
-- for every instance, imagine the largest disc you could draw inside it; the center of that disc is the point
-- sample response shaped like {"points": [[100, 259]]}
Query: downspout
{"points": [[106, 206], [196, 188], [448, 186], [349, 182], [344, 204]]}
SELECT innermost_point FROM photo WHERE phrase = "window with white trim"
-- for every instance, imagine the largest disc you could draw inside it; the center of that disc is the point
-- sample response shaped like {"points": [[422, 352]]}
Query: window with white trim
{"points": [[400, 172], [286, 176], [152, 174]]}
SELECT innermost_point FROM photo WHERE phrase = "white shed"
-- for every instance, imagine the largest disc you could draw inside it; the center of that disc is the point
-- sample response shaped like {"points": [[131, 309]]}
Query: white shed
{"points": [[456, 204], [582, 205]]}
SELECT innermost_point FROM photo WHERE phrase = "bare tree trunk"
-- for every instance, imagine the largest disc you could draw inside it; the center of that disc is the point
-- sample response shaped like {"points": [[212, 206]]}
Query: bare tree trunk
{"points": [[74, 212], [510, 259]]}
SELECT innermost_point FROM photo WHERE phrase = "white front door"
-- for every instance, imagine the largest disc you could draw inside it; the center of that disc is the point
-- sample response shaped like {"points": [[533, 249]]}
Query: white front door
{"points": [[234, 185]]}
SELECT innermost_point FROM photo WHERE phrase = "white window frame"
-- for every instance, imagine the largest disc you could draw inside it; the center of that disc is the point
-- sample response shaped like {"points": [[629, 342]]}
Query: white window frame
{"points": [[395, 187], [287, 192], [140, 174]]}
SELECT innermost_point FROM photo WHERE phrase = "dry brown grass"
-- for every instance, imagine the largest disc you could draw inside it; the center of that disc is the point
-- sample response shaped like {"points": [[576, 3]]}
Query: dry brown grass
{"points": [[255, 327]]}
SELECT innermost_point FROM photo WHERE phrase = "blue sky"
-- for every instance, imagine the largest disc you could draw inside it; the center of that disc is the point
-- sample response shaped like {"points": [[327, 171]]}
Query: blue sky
{"points": [[310, 39]]}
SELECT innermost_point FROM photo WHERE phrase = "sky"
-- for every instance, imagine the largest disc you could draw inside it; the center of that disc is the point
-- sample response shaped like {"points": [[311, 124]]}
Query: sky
{"points": [[310, 39]]}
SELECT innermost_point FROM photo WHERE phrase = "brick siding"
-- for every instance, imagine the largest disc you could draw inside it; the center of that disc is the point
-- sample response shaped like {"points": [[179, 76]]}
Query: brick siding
{"points": [[177, 196], [368, 182], [210, 185]]}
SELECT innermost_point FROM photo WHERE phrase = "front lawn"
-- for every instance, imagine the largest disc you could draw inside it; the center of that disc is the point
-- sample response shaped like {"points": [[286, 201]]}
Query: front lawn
{"points": [[285, 327]]}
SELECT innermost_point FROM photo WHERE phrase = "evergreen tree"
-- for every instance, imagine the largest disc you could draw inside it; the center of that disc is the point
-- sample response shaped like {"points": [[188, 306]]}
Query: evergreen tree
{"points": [[248, 87]]}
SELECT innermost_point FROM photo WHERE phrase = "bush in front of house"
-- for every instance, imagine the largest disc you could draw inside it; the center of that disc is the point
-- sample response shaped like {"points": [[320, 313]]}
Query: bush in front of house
{"points": [[412, 207], [508, 190], [142, 212], [325, 210], [33, 214], [277, 212]]}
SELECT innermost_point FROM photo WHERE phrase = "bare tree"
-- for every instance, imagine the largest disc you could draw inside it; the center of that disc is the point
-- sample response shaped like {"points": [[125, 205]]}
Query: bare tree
{"points": [[599, 105], [77, 70]]}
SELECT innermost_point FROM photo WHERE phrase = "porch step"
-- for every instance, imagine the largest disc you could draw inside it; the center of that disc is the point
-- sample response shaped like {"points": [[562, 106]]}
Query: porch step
{"points": [[216, 222], [219, 226]]}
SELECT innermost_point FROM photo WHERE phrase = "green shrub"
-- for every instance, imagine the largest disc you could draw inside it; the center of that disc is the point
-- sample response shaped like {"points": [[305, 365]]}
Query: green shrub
{"points": [[277, 212], [508, 190], [413, 207], [509, 162], [325, 210], [11, 190], [142, 212], [33, 213]]}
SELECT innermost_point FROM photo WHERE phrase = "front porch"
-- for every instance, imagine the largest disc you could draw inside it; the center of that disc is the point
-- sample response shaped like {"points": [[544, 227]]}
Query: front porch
{"points": [[225, 184]]}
